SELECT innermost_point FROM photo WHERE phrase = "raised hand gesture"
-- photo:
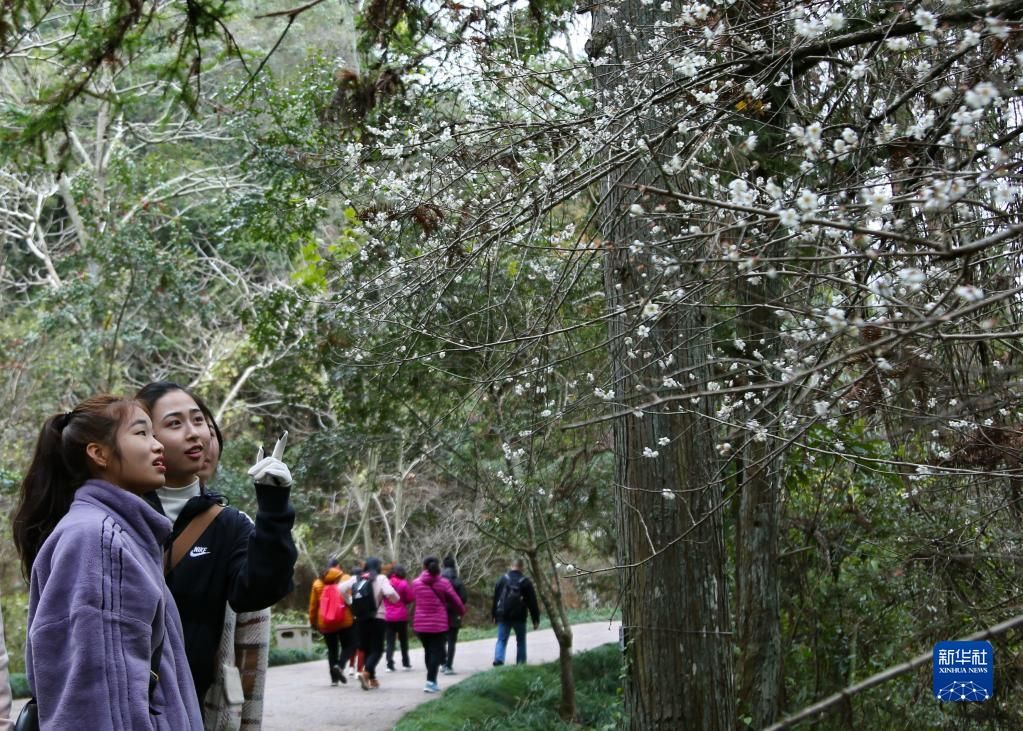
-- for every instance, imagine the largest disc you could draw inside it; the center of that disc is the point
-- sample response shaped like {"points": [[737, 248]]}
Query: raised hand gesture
{"points": [[271, 470]]}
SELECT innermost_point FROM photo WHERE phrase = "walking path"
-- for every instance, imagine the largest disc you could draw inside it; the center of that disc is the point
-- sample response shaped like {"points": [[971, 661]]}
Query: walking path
{"points": [[300, 697]]}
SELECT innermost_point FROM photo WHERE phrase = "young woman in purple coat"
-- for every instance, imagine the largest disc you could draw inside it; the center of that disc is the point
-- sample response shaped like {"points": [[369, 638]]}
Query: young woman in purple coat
{"points": [[434, 595], [105, 648]]}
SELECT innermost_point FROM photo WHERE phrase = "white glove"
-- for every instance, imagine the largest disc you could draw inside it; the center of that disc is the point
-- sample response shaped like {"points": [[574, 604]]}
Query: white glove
{"points": [[270, 470]]}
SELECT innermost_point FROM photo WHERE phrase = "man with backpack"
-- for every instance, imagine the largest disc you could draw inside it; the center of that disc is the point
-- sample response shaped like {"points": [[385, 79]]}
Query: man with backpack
{"points": [[368, 590], [514, 602]]}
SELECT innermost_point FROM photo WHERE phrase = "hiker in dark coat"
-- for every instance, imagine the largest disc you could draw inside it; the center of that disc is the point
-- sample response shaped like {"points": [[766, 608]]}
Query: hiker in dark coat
{"points": [[514, 602], [450, 572]]}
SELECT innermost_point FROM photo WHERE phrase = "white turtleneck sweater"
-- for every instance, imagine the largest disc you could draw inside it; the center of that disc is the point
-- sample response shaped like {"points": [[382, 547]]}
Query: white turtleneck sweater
{"points": [[173, 499]]}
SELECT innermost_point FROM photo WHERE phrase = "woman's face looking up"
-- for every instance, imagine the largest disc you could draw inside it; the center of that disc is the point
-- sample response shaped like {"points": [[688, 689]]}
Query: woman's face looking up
{"points": [[179, 424]]}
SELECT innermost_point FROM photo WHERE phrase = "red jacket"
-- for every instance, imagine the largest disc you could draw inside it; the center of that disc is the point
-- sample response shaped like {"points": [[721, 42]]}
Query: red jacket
{"points": [[397, 611], [433, 595]]}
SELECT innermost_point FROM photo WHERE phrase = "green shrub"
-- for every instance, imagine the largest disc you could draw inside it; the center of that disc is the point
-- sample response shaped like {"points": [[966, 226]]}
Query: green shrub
{"points": [[280, 656]]}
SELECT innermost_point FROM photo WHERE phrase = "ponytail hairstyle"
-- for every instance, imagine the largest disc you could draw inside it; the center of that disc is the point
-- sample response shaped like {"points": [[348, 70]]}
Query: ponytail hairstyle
{"points": [[153, 392], [60, 466], [432, 565]]}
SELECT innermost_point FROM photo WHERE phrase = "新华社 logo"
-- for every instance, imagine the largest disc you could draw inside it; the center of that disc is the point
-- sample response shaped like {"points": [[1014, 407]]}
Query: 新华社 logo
{"points": [[964, 671]]}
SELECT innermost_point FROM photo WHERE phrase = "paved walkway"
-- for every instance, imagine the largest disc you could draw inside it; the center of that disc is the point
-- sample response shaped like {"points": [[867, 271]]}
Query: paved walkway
{"points": [[300, 697]]}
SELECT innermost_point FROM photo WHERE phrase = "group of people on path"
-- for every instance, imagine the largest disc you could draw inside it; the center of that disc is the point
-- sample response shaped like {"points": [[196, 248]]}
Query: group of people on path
{"points": [[148, 595], [364, 611], [437, 599]]}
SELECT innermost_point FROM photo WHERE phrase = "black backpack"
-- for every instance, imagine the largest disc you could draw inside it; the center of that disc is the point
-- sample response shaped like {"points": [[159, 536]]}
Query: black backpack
{"points": [[512, 605], [364, 605]]}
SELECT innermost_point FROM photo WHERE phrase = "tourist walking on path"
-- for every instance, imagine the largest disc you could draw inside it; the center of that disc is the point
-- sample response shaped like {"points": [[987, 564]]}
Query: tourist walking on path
{"points": [[434, 597], [330, 615], [450, 572], [396, 615], [231, 560], [369, 589], [514, 602], [105, 647]]}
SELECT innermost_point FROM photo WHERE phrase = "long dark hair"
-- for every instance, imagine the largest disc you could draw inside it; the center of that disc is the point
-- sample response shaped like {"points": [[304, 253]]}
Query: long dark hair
{"points": [[373, 566], [60, 466], [156, 390], [432, 565]]}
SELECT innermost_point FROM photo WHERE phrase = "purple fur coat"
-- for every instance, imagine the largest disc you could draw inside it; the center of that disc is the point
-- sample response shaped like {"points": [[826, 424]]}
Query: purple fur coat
{"points": [[98, 602]]}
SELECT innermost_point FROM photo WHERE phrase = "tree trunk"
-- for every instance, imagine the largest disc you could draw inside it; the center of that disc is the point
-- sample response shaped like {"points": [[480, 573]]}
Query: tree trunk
{"points": [[668, 499], [548, 587], [761, 479], [566, 708]]}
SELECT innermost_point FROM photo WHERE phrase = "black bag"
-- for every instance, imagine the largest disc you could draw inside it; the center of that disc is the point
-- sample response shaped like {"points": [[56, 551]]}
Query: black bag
{"points": [[28, 719], [364, 604], [512, 605]]}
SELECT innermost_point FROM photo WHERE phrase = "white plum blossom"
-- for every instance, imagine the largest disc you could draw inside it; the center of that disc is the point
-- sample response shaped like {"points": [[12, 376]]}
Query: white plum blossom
{"points": [[981, 95], [1004, 194], [650, 453], [690, 65], [807, 200], [971, 38], [834, 21], [912, 278], [788, 218], [636, 209], [877, 197], [969, 292], [664, 441], [740, 192], [667, 494], [997, 27], [925, 19], [858, 70], [898, 44], [918, 130], [651, 309], [943, 94], [835, 319], [821, 408], [809, 28]]}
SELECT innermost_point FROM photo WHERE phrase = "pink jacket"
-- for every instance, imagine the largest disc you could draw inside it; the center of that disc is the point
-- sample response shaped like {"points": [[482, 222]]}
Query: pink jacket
{"points": [[397, 611], [431, 611]]}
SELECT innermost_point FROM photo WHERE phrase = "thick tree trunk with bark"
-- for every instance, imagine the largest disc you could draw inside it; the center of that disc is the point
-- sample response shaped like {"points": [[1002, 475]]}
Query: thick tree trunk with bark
{"points": [[668, 506]]}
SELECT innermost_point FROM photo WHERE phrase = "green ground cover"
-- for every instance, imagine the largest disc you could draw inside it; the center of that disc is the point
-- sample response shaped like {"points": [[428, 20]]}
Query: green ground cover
{"points": [[525, 698]]}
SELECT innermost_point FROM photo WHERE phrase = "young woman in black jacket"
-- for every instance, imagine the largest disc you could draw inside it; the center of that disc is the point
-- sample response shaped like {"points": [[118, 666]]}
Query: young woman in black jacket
{"points": [[235, 561]]}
